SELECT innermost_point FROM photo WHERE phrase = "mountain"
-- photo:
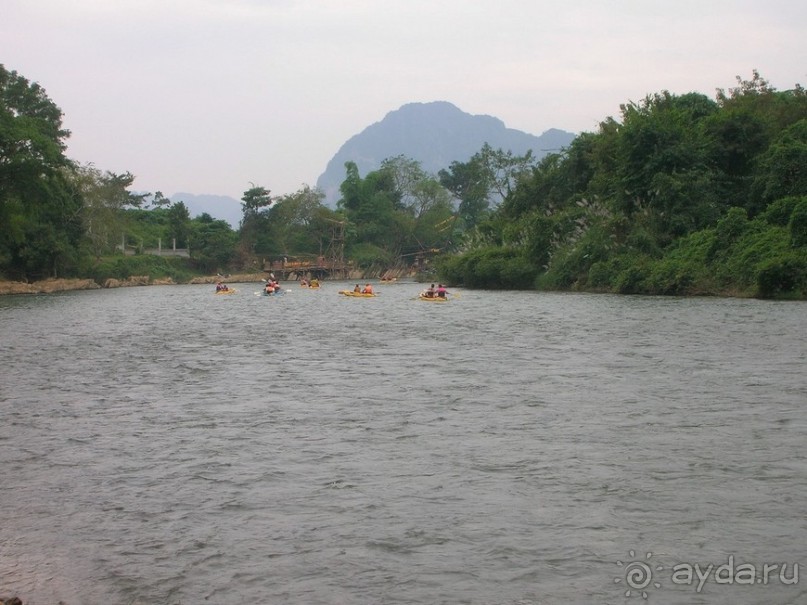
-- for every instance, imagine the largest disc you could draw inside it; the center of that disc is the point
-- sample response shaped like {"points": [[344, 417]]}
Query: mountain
{"points": [[435, 134], [220, 207]]}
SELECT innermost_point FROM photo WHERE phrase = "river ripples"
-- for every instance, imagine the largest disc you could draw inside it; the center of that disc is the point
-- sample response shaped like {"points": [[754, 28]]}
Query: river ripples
{"points": [[166, 445]]}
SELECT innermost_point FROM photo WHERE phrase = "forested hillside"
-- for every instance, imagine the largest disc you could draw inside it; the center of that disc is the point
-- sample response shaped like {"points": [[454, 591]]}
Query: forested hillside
{"points": [[681, 195]]}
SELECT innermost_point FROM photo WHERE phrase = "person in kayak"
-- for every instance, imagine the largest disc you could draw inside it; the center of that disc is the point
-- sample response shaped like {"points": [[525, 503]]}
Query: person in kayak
{"points": [[357, 289], [429, 293], [368, 289], [441, 291]]}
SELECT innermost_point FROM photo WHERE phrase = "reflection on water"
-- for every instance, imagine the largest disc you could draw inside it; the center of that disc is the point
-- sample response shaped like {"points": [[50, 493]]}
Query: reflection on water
{"points": [[165, 445]]}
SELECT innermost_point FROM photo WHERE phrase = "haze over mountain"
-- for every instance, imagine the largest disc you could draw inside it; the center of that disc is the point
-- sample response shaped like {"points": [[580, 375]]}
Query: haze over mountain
{"points": [[435, 134], [221, 207]]}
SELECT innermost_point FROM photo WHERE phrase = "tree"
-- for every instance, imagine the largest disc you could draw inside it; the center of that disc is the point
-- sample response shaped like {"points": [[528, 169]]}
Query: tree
{"points": [[214, 243], [484, 181], [160, 201], [395, 210], [105, 197], [469, 183], [292, 226], [782, 169], [179, 218], [505, 169], [254, 200], [372, 206], [40, 219]]}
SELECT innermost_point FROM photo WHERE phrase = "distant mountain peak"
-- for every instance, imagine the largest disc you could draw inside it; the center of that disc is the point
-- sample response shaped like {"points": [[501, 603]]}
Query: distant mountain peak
{"points": [[435, 133]]}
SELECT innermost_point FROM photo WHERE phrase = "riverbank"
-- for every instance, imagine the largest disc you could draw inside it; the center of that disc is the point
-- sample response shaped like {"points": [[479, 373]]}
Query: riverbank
{"points": [[50, 286]]}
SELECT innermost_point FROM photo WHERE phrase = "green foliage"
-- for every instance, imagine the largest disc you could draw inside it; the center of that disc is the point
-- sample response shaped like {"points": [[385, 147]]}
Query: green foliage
{"points": [[631, 280], [367, 255], [123, 267], [798, 224], [398, 209], [492, 268], [483, 181], [782, 170], [253, 204], [784, 276], [684, 195], [295, 225], [40, 210], [728, 231], [684, 269], [571, 262], [214, 244], [780, 211]]}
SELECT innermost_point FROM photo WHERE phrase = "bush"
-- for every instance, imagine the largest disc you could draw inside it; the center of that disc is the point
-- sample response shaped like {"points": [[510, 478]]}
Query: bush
{"points": [[450, 268], [779, 212], [490, 267], [517, 273], [634, 270], [785, 275], [601, 275], [798, 224], [728, 231], [156, 267], [740, 264], [683, 269]]}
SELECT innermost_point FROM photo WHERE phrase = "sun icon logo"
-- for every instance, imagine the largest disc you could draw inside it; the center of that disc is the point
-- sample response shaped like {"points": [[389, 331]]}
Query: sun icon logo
{"points": [[638, 575]]}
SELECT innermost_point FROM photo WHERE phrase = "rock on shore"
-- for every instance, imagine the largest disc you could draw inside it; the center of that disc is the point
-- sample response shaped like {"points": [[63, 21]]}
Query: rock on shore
{"points": [[47, 286]]}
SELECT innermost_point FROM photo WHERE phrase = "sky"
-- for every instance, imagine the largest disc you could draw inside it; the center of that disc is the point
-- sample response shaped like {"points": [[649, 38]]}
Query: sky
{"points": [[213, 96]]}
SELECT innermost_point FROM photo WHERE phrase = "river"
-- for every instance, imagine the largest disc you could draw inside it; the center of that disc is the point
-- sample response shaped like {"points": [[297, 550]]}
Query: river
{"points": [[165, 445]]}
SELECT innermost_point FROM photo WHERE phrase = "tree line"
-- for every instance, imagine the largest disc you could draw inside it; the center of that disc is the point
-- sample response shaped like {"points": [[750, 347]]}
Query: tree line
{"points": [[59, 218], [682, 195]]}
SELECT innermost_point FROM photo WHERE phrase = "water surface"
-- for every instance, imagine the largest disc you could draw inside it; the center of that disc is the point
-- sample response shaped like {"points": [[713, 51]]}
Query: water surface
{"points": [[166, 445]]}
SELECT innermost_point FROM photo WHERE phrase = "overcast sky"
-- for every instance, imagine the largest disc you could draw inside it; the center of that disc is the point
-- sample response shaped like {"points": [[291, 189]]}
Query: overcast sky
{"points": [[206, 96]]}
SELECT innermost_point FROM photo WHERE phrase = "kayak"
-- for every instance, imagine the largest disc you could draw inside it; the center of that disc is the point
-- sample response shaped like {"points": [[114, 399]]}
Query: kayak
{"points": [[356, 294], [310, 287], [227, 291], [436, 299], [265, 293]]}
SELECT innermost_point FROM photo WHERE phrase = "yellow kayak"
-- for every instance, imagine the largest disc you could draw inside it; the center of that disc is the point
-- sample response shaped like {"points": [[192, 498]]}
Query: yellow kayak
{"points": [[356, 294], [227, 291], [436, 299]]}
